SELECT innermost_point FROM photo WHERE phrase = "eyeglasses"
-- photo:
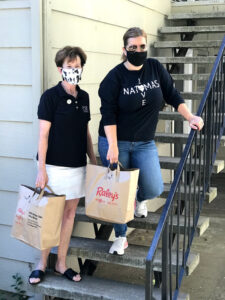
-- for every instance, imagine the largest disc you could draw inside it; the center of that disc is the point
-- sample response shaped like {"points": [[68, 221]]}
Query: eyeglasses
{"points": [[134, 48]]}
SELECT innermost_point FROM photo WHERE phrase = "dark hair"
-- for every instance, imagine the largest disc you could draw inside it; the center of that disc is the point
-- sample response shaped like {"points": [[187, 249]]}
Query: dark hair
{"points": [[131, 33], [71, 53]]}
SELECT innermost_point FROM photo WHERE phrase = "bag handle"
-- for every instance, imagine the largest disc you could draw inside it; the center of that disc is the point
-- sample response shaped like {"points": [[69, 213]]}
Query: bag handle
{"points": [[118, 168], [43, 190]]}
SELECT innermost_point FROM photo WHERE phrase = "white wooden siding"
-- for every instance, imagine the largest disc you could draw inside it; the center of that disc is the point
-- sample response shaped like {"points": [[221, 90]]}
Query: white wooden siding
{"points": [[19, 251], [20, 89], [15, 30], [9, 268], [16, 103], [15, 171], [98, 27]]}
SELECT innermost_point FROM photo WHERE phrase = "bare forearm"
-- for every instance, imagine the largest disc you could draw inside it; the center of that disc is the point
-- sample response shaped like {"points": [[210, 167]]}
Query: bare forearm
{"points": [[185, 112], [90, 149], [42, 151], [195, 122], [111, 134], [113, 152]]}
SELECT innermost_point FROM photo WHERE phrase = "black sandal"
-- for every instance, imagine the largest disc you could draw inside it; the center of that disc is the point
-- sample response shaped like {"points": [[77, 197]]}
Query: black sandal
{"points": [[69, 274], [37, 274]]}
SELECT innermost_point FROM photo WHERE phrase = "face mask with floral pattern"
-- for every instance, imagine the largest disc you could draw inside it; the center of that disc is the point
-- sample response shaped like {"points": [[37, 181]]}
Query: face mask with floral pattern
{"points": [[72, 76]]}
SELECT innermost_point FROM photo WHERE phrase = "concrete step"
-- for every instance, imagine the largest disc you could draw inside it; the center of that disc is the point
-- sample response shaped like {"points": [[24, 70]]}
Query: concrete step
{"points": [[192, 95], [197, 29], [150, 223], [210, 196], [188, 44], [170, 115], [167, 162], [186, 60], [92, 288], [190, 76], [135, 255], [180, 138], [174, 115], [191, 16]]}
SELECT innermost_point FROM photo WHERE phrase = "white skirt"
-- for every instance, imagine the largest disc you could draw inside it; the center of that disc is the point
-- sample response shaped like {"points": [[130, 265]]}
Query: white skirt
{"points": [[67, 181]]}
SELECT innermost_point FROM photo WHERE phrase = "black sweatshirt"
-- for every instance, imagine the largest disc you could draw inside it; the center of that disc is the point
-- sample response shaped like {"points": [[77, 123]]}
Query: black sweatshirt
{"points": [[132, 100]]}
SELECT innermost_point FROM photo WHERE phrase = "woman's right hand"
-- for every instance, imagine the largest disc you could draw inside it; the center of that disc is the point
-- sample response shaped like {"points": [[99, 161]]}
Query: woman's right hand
{"points": [[42, 179], [113, 154]]}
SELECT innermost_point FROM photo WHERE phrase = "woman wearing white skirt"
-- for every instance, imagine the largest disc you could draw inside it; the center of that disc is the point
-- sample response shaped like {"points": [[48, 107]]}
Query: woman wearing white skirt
{"points": [[64, 141]]}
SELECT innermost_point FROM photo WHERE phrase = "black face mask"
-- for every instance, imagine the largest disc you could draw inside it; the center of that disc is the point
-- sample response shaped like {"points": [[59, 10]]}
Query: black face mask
{"points": [[136, 58]]}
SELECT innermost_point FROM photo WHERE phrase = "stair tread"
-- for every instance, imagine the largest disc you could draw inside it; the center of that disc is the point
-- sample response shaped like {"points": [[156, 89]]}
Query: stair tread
{"points": [[186, 59], [190, 76], [192, 95], [151, 222], [170, 115], [203, 29], [187, 44], [209, 196], [167, 162], [93, 288], [176, 137], [211, 15], [134, 256]]}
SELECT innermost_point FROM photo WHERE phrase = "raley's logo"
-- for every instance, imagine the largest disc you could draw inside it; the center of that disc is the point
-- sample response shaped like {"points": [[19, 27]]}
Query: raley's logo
{"points": [[21, 211], [106, 193]]}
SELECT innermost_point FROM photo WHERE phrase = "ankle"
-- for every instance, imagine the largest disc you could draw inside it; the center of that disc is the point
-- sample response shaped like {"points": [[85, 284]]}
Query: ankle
{"points": [[41, 266], [60, 264]]}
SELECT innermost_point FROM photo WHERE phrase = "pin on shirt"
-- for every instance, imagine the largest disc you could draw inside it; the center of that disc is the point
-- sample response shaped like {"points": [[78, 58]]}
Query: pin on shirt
{"points": [[69, 101]]}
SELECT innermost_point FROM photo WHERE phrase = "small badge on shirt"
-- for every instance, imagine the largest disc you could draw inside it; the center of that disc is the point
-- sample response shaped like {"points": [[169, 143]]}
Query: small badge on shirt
{"points": [[69, 101], [85, 109]]}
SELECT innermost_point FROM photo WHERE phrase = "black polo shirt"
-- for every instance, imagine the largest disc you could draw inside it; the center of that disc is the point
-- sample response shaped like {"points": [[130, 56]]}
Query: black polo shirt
{"points": [[69, 117]]}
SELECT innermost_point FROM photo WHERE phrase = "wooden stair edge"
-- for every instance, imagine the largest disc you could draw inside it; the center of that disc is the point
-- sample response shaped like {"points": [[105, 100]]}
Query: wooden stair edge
{"points": [[151, 222], [93, 289], [135, 255]]}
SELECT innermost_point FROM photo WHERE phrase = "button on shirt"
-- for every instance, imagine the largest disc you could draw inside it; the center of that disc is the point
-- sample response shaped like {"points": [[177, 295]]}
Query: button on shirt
{"points": [[132, 100], [69, 117]]}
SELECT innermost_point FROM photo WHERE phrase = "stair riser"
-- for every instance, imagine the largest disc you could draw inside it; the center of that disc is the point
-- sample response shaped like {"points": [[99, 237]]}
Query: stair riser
{"points": [[186, 60], [194, 16], [187, 44], [194, 29], [135, 256]]}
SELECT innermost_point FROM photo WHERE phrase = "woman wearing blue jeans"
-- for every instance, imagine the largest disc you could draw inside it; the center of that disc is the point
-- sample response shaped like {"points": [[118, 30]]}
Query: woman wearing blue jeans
{"points": [[131, 95]]}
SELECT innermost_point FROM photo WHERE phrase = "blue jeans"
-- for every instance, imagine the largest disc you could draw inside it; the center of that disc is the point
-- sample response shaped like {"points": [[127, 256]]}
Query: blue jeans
{"points": [[141, 155]]}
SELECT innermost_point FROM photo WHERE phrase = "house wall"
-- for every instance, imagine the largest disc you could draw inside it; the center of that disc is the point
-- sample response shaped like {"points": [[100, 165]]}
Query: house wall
{"points": [[29, 29], [20, 89], [98, 27]]}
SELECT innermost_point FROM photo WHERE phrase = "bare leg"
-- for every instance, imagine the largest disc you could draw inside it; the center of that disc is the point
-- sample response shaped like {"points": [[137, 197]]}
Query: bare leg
{"points": [[41, 264], [66, 231]]}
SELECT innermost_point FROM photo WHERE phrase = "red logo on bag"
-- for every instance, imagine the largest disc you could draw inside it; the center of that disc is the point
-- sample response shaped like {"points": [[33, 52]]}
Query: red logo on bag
{"points": [[106, 193], [21, 211]]}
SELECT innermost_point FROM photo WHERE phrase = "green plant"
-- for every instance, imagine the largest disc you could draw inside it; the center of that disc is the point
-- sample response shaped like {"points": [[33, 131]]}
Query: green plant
{"points": [[17, 285]]}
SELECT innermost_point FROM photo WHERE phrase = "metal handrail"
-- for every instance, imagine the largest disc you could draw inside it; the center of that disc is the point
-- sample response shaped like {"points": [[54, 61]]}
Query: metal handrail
{"points": [[212, 104]]}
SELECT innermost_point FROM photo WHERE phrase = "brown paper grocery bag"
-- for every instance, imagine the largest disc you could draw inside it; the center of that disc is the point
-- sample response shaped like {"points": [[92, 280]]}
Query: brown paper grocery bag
{"points": [[110, 195], [38, 217]]}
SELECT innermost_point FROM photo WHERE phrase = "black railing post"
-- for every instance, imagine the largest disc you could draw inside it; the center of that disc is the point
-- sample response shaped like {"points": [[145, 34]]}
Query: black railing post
{"points": [[184, 173], [148, 280], [208, 133], [165, 264]]}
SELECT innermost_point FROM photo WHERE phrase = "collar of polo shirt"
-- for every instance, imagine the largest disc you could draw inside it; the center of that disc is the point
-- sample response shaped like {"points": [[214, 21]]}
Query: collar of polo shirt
{"points": [[63, 93]]}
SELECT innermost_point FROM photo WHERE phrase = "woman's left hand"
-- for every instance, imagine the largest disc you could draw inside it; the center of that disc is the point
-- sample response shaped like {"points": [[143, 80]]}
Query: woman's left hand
{"points": [[196, 123]]}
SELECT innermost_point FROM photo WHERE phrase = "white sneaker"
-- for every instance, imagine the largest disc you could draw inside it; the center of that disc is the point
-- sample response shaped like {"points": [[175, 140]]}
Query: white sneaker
{"points": [[118, 246], [141, 210]]}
